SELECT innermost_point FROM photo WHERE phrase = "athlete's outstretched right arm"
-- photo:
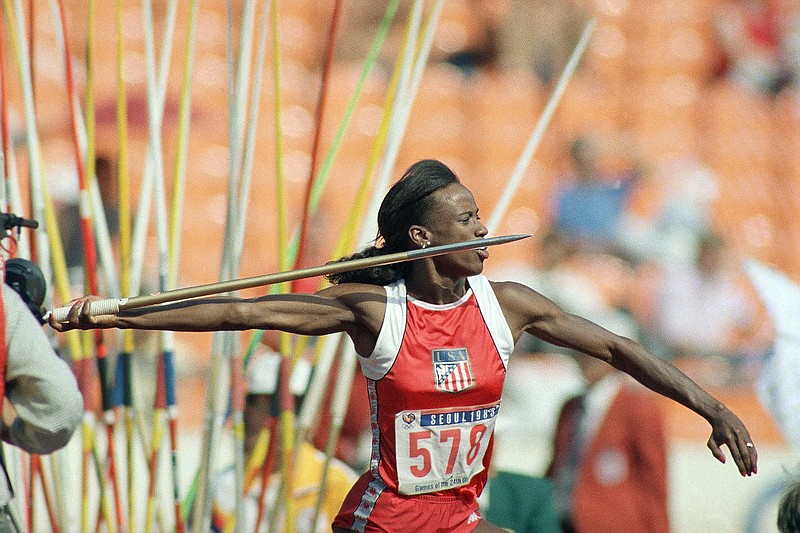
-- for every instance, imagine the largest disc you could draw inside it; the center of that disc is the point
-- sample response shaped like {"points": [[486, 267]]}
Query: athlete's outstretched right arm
{"points": [[338, 308]]}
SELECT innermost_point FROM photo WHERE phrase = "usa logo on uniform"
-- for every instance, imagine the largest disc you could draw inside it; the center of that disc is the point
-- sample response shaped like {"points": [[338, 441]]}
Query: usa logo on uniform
{"points": [[452, 370]]}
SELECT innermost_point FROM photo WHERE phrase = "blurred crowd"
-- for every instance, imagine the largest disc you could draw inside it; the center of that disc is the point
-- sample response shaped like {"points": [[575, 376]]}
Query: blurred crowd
{"points": [[756, 43], [759, 43], [666, 276]]}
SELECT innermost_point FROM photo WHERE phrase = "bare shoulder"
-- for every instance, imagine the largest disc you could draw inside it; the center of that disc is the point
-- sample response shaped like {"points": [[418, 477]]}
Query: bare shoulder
{"points": [[365, 300], [514, 294], [354, 293], [367, 305], [521, 305]]}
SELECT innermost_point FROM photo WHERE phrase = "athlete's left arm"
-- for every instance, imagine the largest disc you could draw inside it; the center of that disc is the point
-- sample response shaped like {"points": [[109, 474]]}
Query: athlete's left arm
{"points": [[527, 310]]}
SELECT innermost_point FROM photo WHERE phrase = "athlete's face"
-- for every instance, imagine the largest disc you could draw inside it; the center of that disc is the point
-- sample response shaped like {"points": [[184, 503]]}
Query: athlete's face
{"points": [[454, 218]]}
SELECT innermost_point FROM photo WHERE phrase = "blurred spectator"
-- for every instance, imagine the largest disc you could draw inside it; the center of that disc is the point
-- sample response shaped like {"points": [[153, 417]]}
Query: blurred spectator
{"points": [[356, 31], [481, 51], [536, 36], [589, 205], [701, 309], [609, 466], [69, 216], [669, 211], [520, 503], [749, 33], [540, 35]]}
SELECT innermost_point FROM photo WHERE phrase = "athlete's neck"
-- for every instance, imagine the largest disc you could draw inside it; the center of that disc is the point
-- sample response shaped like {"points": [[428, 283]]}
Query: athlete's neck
{"points": [[436, 291]]}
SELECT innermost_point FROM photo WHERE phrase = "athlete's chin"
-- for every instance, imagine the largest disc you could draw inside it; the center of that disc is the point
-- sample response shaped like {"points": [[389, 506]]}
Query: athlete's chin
{"points": [[472, 267], [474, 270]]}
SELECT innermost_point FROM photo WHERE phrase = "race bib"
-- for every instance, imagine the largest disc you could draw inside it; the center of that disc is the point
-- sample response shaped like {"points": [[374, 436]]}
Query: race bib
{"points": [[441, 449]]}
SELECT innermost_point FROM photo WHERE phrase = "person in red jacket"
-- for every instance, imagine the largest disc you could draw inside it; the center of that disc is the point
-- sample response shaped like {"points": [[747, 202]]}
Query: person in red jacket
{"points": [[609, 466]]}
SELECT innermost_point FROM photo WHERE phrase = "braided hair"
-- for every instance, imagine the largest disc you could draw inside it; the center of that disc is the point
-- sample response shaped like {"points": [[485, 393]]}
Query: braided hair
{"points": [[408, 202]]}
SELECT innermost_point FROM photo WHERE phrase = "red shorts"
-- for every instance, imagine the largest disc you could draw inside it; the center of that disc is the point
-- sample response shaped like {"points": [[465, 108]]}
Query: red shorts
{"points": [[370, 507]]}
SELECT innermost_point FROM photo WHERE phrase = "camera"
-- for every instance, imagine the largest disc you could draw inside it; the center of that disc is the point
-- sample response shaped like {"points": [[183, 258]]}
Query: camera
{"points": [[26, 278], [10, 221]]}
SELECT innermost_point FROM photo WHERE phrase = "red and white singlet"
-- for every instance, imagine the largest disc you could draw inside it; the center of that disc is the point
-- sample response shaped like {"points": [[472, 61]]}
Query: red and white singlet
{"points": [[434, 383]]}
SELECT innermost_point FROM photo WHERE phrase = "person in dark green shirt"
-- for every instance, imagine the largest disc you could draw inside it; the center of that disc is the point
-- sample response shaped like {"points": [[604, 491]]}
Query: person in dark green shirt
{"points": [[521, 503]]}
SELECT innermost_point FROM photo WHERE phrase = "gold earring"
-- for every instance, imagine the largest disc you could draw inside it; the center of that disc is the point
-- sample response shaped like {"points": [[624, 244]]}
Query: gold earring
{"points": [[425, 244]]}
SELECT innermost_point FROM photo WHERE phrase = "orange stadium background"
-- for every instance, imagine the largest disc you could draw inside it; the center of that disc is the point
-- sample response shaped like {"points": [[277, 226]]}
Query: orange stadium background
{"points": [[648, 86]]}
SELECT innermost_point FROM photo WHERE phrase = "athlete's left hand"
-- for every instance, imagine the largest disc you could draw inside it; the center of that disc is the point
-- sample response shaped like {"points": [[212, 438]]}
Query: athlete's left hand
{"points": [[727, 429]]}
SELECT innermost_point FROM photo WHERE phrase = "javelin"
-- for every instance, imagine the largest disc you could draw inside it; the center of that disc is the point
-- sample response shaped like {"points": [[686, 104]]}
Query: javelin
{"points": [[113, 306]]}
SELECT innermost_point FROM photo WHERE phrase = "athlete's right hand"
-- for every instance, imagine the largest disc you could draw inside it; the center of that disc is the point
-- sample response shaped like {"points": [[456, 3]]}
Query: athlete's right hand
{"points": [[79, 316]]}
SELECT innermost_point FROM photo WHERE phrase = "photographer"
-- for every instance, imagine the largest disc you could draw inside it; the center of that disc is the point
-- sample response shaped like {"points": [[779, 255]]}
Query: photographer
{"points": [[42, 405]]}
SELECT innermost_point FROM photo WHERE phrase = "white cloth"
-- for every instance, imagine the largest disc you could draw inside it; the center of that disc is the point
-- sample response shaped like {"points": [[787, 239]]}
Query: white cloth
{"points": [[264, 369], [596, 403], [778, 386]]}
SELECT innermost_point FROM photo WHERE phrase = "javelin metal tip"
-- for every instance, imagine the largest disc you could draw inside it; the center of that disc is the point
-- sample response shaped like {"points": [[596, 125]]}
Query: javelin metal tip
{"points": [[516, 237], [502, 239]]}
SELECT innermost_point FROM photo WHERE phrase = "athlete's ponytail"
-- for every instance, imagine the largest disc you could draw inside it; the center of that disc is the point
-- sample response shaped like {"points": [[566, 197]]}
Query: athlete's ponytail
{"points": [[407, 203]]}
